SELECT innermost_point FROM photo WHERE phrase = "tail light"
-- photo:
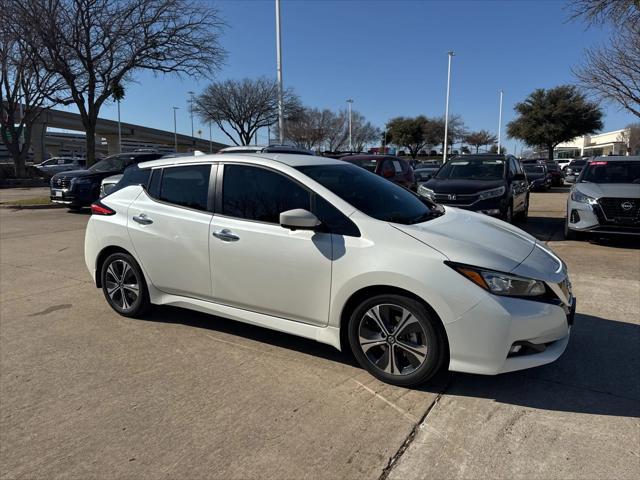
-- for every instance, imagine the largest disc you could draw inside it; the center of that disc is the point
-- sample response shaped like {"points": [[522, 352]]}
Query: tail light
{"points": [[100, 208]]}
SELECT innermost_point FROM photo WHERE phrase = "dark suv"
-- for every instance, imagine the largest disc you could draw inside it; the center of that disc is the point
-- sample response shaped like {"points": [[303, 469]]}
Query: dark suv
{"points": [[392, 168], [80, 188], [492, 184]]}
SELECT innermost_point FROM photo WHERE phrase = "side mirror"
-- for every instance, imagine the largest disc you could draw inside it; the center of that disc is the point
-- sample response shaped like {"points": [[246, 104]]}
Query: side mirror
{"points": [[299, 219], [426, 177]]}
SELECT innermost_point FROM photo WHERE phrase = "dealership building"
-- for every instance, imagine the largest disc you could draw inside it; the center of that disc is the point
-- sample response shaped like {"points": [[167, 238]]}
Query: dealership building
{"points": [[618, 142]]}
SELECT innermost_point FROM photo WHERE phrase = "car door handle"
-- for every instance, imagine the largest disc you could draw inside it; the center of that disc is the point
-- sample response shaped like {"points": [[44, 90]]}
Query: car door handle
{"points": [[142, 219], [226, 235]]}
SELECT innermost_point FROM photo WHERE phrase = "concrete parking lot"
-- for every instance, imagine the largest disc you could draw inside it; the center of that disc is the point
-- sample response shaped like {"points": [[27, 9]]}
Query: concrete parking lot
{"points": [[85, 393]]}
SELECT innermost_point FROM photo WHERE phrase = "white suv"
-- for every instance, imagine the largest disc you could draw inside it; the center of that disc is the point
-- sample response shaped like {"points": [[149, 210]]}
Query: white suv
{"points": [[326, 250]]}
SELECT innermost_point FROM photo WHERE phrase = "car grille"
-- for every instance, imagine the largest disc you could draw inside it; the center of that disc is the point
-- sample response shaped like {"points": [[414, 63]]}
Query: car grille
{"points": [[624, 210], [455, 199], [61, 182]]}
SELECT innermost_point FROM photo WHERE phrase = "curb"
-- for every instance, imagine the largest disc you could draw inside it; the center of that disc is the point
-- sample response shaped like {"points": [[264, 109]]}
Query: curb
{"points": [[44, 206]]}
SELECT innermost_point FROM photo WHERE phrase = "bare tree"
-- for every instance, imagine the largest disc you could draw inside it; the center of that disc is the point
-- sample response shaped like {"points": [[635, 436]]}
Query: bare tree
{"points": [[308, 128], [363, 132], [95, 44], [240, 107], [480, 139], [612, 72], [26, 89], [337, 131]]}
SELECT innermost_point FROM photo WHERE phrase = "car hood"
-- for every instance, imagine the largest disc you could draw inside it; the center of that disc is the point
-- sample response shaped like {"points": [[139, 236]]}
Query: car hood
{"points": [[445, 185], [474, 239], [615, 190], [83, 173]]}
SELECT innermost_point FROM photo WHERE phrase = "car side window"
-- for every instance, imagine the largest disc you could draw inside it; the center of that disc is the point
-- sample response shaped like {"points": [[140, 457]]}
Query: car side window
{"points": [[255, 193], [397, 166], [133, 176], [186, 186], [334, 220], [513, 169]]}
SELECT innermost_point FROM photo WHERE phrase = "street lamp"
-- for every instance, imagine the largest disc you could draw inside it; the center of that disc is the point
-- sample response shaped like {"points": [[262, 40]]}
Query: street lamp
{"points": [[279, 70], [175, 130], [500, 122], [349, 102], [191, 111], [446, 110]]}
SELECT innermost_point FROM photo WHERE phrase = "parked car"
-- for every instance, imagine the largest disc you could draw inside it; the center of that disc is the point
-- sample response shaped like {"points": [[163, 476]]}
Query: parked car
{"points": [[563, 162], [606, 198], [537, 176], [326, 250], [572, 171], [80, 188], [491, 184], [60, 164], [556, 173], [392, 168], [109, 183]]}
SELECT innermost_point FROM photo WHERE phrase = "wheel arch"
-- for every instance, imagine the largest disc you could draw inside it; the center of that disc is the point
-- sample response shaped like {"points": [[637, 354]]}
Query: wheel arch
{"points": [[102, 256], [366, 292]]}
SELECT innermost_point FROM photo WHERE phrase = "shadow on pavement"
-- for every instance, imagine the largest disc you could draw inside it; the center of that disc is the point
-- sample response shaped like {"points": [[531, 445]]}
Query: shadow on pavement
{"points": [[598, 374]]}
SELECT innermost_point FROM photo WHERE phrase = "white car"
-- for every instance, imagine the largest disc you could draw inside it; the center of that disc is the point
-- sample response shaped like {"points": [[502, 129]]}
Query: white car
{"points": [[107, 184], [605, 198], [326, 250]]}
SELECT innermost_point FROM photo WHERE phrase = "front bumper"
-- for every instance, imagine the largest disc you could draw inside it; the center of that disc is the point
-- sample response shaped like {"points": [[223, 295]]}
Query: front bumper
{"points": [[584, 217], [72, 196], [481, 340]]}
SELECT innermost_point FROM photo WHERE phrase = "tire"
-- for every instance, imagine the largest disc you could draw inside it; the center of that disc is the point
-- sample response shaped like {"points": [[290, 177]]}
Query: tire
{"points": [[570, 234], [418, 348], [508, 215], [128, 296]]}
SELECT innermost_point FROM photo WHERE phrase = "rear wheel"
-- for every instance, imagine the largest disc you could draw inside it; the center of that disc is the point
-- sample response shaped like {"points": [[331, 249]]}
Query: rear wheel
{"points": [[124, 286], [397, 340]]}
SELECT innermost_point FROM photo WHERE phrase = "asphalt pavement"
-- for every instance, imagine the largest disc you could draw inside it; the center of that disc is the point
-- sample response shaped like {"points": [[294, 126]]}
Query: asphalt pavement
{"points": [[85, 393]]}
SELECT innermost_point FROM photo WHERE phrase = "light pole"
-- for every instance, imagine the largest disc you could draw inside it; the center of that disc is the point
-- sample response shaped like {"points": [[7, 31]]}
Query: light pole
{"points": [[210, 139], [279, 69], [446, 110], [349, 102], [175, 130], [193, 142], [500, 122]]}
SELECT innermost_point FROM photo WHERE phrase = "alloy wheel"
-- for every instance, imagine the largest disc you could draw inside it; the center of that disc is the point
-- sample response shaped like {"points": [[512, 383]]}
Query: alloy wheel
{"points": [[392, 339], [122, 284]]}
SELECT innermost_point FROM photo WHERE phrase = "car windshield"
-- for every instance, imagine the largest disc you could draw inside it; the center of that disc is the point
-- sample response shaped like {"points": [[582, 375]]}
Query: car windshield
{"points": [[109, 164], [612, 172], [533, 169], [368, 163], [472, 169], [373, 195], [578, 163], [553, 167]]}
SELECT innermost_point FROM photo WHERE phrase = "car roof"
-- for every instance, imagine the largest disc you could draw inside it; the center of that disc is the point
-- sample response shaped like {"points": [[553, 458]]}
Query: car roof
{"points": [[289, 159], [617, 158]]}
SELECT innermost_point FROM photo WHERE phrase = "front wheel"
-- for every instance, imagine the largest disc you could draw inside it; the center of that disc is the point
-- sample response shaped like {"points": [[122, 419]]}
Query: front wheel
{"points": [[397, 340], [508, 215], [124, 286]]}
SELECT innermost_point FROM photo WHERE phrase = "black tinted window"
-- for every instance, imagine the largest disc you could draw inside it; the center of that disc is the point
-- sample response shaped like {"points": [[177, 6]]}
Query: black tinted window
{"points": [[258, 194], [186, 186], [132, 176], [333, 219], [371, 194]]}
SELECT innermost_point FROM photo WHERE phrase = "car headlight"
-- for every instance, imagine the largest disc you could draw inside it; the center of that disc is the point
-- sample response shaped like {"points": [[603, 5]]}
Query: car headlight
{"points": [[494, 192], [426, 192], [580, 197], [500, 283]]}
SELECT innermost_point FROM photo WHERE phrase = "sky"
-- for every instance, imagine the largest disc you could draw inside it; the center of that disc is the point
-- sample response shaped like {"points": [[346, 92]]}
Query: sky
{"points": [[390, 57]]}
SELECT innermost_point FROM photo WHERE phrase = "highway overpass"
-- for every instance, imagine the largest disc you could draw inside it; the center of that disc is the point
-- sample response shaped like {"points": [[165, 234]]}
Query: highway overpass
{"points": [[44, 145]]}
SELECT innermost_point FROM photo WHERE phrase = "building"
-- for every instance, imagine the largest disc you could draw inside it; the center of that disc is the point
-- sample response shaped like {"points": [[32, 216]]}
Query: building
{"points": [[617, 142]]}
